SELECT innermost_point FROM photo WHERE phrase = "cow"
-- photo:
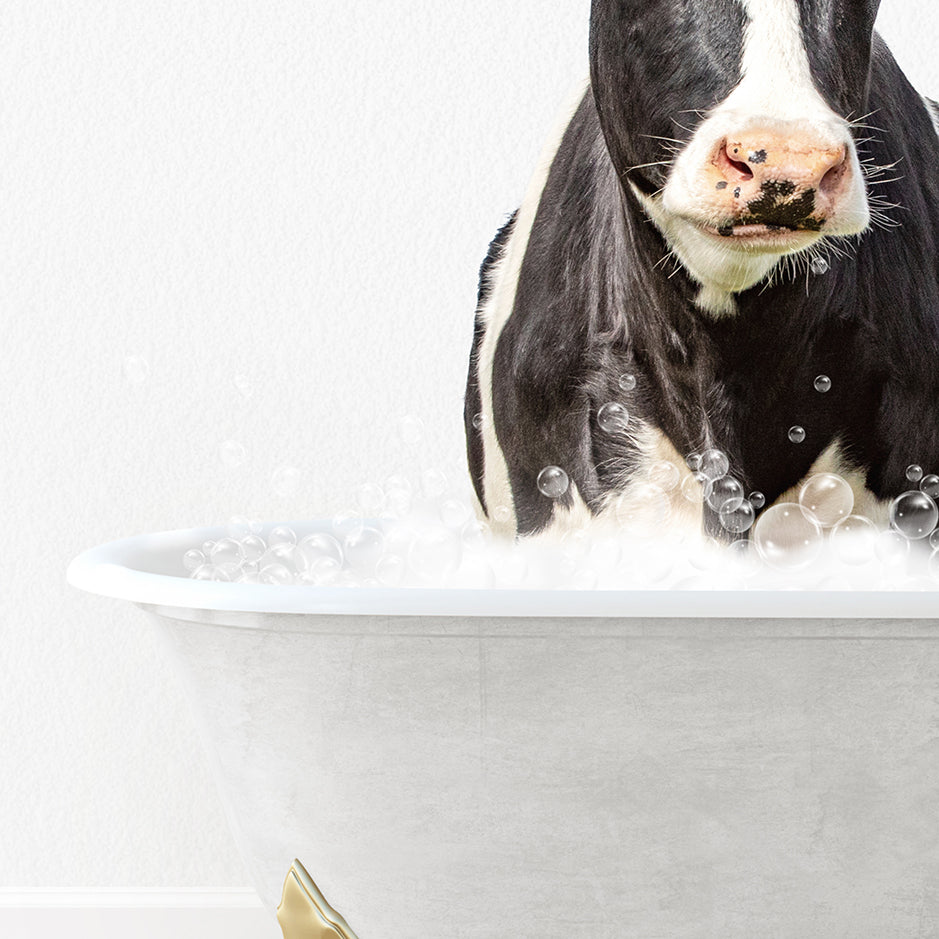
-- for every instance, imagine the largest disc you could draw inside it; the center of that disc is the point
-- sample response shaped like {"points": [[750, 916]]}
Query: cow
{"points": [[731, 244]]}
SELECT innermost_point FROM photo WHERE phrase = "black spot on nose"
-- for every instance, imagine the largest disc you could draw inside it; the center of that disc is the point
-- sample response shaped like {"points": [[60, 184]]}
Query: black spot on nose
{"points": [[778, 188], [757, 157], [722, 184], [775, 207]]}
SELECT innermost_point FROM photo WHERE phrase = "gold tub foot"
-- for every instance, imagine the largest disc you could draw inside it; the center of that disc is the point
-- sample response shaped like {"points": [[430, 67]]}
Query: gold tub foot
{"points": [[303, 912]]}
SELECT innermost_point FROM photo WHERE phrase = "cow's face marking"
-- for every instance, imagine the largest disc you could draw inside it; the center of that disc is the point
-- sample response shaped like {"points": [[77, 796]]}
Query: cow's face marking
{"points": [[762, 160]]}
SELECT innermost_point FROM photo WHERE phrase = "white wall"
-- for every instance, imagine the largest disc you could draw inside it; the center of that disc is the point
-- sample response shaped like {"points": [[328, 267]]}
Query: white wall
{"points": [[296, 194]]}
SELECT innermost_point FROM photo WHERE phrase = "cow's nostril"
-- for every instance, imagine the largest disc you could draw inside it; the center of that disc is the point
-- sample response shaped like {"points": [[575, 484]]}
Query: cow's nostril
{"points": [[830, 181], [742, 168], [733, 169]]}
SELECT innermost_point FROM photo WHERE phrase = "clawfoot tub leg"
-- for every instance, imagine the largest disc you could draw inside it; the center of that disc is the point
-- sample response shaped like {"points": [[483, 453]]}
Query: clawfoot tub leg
{"points": [[303, 912]]}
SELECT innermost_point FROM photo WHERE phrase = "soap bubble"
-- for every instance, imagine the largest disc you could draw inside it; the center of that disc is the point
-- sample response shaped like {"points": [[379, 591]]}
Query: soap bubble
{"points": [[797, 434], [693, 461], [745, 556], [323, 572], [914, 515], [363, 548], [193, 560], [232, 454], [756, 499], [135, 369], [222, 575], [285, 480], [454, 513], [478, 421], [665, 475], [345, 523], [826, 498], [553, 482], [853, 539], [396, 483], [434, 554], [282, 534], [238, 527], [613, 418], [502, 514], [316, 546], [737, 518], [276, 575], [627, 382], [934, 539], [914, 473], [434, 483], [399, 494], [819, 265], [891, 548], [823, 384], [696, 488], [930, 485], [370, 499], [390, 570], [253, 548], [786, 538], [476, 535], [714, 464], [283, 554], [411, 430], [207, 547], [725, 493], [203, 572], [227, 551]]}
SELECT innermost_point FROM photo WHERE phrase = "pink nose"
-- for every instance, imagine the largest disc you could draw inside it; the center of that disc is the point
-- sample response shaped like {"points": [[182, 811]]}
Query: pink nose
{"points": [[777, 178]]}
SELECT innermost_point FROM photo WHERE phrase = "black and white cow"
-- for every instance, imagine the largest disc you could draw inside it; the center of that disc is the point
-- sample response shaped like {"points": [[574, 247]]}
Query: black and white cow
{"points": [[745, 198]]}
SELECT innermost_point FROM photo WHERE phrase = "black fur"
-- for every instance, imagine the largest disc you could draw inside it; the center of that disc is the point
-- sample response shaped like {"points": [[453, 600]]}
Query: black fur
{"points": [[592, 304]]}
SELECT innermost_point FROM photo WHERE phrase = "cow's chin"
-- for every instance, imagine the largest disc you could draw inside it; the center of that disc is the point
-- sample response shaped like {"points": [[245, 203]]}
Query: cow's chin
{"points": [[730, 260], [735, 262]]}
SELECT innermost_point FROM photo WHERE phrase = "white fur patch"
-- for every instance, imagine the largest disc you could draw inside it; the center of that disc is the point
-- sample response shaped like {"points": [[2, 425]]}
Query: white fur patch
{"points": [[933, 108], [641, 507], [833, 460], [715, 301]]}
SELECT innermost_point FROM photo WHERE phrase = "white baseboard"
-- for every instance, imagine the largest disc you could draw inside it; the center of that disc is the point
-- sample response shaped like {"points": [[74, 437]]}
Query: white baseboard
{"points": [[134, 914]]}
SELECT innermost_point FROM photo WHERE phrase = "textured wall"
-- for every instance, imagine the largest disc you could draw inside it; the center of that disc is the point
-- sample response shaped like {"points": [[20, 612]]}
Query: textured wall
{"points": [[280, 209]]}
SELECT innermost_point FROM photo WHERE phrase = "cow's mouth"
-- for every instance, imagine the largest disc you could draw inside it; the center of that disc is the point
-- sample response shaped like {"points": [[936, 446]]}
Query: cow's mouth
{"points": [[762, 233]]}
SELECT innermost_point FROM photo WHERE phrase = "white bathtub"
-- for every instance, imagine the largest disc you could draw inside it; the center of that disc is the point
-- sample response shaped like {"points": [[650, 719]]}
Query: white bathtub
{"points": [[473, 764]]}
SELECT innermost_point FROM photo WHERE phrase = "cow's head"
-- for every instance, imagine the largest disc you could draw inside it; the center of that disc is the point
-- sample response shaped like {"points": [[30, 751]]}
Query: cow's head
{"points": [[732, 120]]}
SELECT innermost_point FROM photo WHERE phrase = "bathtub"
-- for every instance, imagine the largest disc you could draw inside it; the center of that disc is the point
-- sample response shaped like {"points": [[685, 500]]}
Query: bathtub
{"points": [[470, 764]]}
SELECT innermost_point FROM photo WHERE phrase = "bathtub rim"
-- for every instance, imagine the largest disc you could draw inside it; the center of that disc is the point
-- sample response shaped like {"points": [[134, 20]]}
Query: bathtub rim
{"points": [[117, 569]]}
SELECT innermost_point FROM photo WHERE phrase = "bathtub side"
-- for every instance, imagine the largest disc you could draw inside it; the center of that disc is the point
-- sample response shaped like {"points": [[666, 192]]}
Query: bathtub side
{"points": [[531, 777]]}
